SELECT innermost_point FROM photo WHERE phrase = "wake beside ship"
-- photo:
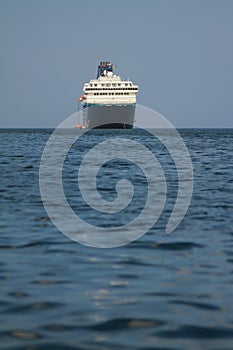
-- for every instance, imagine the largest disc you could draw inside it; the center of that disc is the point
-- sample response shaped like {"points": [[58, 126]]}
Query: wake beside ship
{"points": [[108, 102]]}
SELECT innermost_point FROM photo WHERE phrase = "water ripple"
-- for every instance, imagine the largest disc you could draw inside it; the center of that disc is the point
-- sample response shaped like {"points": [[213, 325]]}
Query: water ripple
{"points": [[162, 292], [197, 332]]}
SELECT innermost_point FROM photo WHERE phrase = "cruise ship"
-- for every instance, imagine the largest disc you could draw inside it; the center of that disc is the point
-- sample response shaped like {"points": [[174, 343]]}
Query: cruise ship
{"points": [[107, 102]]}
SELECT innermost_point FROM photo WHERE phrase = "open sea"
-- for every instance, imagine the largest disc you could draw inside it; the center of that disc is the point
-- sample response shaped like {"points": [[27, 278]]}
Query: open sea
{"points": [[160, 292]]}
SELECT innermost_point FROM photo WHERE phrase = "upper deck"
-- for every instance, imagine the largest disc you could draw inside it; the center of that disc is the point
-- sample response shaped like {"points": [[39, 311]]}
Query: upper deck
{"points": [[109, 88]]}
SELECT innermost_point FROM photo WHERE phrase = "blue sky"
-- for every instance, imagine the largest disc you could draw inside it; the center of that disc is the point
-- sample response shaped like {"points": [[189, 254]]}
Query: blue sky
{"points": [[179, 52]]}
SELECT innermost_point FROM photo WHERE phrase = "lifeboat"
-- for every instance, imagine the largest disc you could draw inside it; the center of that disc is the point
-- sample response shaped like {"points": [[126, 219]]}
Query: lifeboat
{"points": [[78, 126], [81, 98]]}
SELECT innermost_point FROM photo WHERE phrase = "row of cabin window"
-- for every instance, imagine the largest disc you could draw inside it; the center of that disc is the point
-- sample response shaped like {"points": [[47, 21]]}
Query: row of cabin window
{"points": [[111, 93], [88, 89], [113, 84]]}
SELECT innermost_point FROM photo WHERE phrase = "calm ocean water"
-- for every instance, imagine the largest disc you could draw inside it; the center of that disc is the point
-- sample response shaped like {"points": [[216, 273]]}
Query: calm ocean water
{"points": [[164, 291]]}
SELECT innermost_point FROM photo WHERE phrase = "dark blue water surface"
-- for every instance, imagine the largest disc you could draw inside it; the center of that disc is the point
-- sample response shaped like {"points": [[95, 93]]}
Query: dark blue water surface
{"points": [[163, 291]]}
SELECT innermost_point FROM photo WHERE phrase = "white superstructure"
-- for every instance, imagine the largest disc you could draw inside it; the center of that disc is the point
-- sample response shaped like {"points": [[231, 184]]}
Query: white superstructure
{"points": [[110, 89]]}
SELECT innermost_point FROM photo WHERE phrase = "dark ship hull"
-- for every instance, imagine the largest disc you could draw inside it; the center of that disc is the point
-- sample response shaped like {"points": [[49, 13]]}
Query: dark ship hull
{"points": [[109, 116]]}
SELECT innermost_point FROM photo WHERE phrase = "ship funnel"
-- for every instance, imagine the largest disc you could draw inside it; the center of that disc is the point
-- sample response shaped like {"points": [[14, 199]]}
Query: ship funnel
{"points": [[103, 68]]}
